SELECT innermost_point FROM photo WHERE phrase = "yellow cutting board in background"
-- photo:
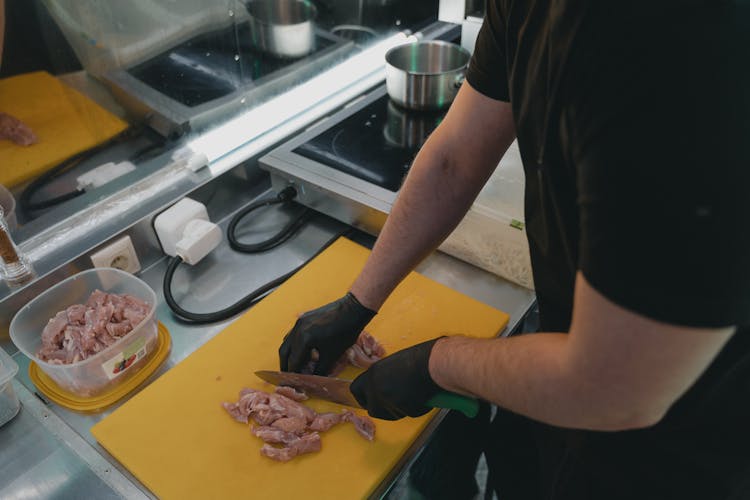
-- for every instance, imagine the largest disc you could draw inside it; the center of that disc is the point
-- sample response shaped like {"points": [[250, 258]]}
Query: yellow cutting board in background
{"points": [[65, 121], [175, 437]]}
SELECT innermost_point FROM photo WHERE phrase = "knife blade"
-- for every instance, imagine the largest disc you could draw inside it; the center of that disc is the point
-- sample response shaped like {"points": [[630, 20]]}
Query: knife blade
{"points": [[337, 390]]}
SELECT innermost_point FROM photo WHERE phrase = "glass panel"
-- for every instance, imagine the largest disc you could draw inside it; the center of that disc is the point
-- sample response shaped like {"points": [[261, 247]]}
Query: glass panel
{"points": [[95, 95]]}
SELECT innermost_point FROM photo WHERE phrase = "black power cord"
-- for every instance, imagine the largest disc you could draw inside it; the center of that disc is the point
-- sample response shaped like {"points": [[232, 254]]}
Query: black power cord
{"points": [[239, 306], [285, 196]]}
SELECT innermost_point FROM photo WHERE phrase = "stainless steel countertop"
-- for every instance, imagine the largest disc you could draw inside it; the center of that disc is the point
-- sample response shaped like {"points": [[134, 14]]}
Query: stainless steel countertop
{"points": [[48, 452]]}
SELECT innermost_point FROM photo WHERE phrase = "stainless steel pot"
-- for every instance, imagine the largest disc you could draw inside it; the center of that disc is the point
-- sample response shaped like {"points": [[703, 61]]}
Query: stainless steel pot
{"points": [[283, 28], [425, 75]]}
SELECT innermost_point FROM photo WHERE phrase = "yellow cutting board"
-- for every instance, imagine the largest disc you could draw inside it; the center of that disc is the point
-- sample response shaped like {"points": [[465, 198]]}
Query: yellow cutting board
{"points": [[65, 121], [175, 437]]}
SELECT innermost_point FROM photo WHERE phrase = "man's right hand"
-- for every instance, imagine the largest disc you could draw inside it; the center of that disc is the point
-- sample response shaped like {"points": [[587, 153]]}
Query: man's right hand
{"points": [[330, 330]]}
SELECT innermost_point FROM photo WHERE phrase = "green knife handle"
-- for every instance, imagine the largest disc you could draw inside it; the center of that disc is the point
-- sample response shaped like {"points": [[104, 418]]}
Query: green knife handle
{"points": [[451, 401]]}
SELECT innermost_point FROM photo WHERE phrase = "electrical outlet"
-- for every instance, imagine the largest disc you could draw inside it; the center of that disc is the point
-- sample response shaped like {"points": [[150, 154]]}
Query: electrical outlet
{"points": [[119, 254]]}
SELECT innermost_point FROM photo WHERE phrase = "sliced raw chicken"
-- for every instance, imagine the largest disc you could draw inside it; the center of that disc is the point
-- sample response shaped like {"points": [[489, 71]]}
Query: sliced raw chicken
{"points": [[283, 421], [14, 130]]}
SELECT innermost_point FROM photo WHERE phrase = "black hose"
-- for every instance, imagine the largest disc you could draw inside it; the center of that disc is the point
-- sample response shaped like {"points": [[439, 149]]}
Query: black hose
{"points": [[28, 206], [285, 196], [239, 306]]}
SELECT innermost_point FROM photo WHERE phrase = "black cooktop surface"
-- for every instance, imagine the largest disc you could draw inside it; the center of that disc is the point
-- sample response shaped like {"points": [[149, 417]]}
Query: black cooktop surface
{"points": [[376, 144], [213, 65]]}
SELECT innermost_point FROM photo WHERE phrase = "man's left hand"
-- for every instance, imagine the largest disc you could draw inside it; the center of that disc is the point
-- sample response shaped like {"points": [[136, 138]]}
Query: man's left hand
{"points": [[399, 385]]}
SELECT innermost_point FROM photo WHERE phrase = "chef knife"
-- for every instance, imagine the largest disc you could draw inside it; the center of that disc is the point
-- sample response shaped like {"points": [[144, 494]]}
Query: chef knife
{"points": [[337, 390]]}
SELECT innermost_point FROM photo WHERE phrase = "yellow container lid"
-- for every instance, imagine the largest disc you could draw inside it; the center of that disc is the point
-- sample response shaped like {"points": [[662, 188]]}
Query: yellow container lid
{"points": [[67, 399]]}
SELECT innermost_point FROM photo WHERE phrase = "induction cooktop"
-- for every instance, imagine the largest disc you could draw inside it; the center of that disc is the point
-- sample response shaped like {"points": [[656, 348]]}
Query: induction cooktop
{"points": [[213, 73], [352, 165], [377, 143], [214, 65]]}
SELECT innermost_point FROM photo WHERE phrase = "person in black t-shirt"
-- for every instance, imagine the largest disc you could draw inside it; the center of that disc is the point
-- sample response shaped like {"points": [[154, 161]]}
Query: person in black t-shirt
{"points": [[633, 120]]}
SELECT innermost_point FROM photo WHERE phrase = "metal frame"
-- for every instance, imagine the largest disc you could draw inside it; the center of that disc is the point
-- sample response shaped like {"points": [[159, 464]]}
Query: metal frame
{"points": [[323, 188]]}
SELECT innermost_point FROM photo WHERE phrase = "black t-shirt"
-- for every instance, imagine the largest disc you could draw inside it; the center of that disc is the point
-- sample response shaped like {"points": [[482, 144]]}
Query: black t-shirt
{"points": [[633, 121]]}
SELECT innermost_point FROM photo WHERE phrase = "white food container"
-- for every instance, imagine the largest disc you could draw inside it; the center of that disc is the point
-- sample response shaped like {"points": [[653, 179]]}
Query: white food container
{"points": [[108, 368], [492, 235], [9, 404]]}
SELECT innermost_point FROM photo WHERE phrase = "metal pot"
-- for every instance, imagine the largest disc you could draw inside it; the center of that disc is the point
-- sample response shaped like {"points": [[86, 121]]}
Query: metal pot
{"points": [[282, 28], [425, 75]]}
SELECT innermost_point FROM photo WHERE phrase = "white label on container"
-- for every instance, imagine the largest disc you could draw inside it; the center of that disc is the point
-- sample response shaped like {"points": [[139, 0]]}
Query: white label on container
{"points": [[119, 363]]}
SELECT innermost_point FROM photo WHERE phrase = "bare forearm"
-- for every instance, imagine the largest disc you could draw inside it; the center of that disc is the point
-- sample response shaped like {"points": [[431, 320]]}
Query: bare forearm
{"points": [[529, 375], [431, 203], [445, 178], [614, 370]]}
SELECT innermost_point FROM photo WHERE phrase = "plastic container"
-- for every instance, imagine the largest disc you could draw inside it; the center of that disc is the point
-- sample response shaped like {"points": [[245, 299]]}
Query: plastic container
{"points": [[9, 404], [492, 235], [107, 369]]}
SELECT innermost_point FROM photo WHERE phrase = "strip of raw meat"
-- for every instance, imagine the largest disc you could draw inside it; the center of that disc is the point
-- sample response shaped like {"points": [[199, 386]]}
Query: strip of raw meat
{"points": [[289, 407], [246, 390], [73, 343], [99, 317], [294, 425], [82, 330], [370, 345], [263, 414], [364, 425], [291, 393], [308, 443], [76, 314], [234, 411], [53, 356], [272, 435], [324, 421], [250, 400], [96, 299], [357, 357], [119, 329], [53, 332], [365, 351], [14, 130], [119, 304], [135, 309]]}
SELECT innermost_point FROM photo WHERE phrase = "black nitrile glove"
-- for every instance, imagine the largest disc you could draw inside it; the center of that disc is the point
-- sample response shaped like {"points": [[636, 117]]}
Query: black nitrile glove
{"points": [[330, 329], [398, 385]]}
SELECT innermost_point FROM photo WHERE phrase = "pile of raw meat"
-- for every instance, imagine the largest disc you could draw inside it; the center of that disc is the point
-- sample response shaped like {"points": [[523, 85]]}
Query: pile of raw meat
{"points": [[16, 131], [282, 420], [82, 330]]}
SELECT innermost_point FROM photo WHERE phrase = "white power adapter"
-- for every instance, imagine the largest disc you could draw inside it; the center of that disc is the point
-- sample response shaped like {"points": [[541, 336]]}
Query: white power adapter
{"points": [[184, 230]]}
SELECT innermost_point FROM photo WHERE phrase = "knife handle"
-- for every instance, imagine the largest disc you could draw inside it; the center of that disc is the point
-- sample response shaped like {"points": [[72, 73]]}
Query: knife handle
{"points": [[452, 401]]}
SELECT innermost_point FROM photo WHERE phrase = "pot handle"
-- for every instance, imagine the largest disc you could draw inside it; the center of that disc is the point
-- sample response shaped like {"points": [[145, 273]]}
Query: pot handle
{"points": [[459, 80]]}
